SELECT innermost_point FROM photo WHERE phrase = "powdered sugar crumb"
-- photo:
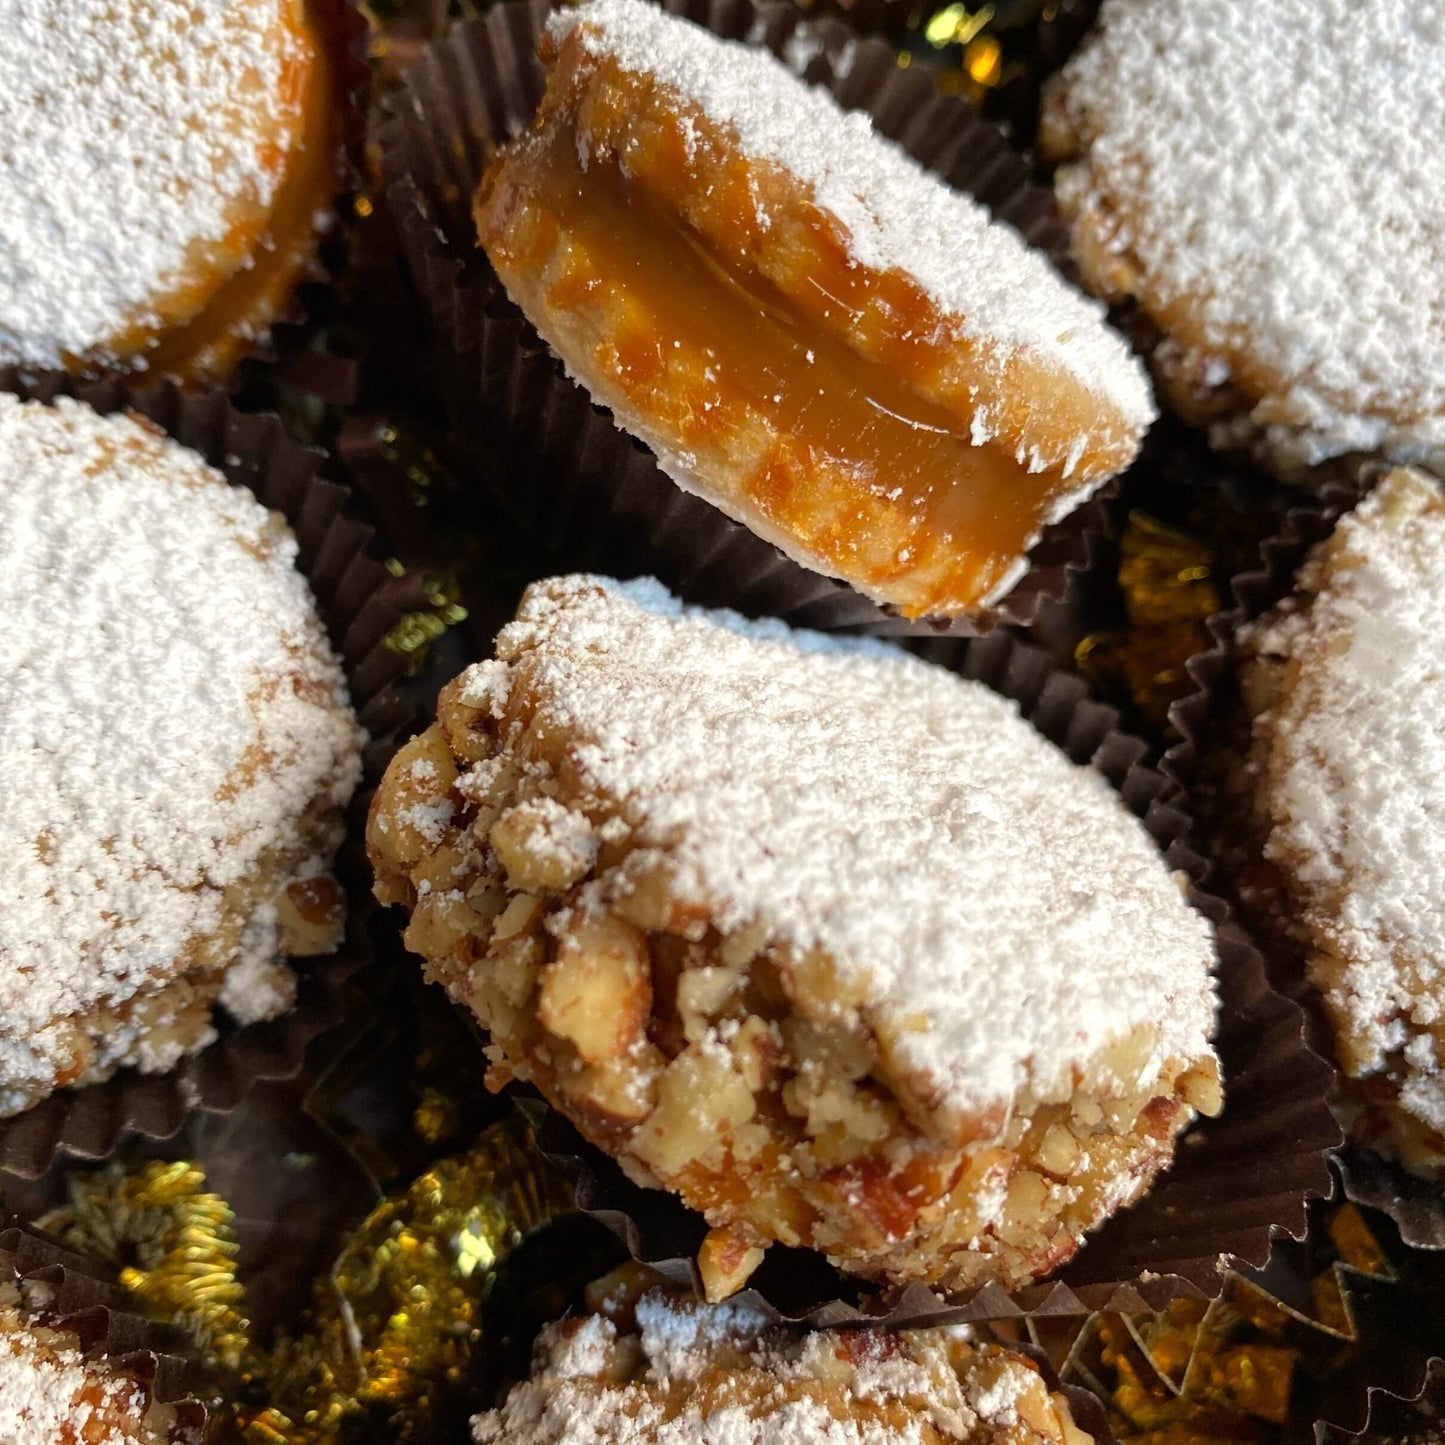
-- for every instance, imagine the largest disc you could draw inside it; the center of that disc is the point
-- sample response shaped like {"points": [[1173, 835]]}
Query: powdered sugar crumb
{"points": [[1354, 777], [558, 836], [897, 215], [256, 985], [680, 1343], [718, 1375], [1004, 912], [431, 820], [135, 137], [584, 1349], [1279, 163], [169, 710]]}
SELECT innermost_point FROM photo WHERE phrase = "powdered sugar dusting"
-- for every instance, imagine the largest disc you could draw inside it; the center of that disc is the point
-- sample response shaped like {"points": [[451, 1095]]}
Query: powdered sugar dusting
{"points": [[682, 1342], [897, 215], [1355, 777], [49, 1393], [1004, 912], [1279, 163], [715, 1375], [169, 709], [135, 136]]}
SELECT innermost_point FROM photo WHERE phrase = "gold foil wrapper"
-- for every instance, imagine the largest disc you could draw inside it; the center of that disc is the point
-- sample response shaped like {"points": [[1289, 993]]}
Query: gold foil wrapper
{"points": [[172, 1244], [1234, 1368], [393, 1326], [975, 50], [1167, 582], [415, 631]]}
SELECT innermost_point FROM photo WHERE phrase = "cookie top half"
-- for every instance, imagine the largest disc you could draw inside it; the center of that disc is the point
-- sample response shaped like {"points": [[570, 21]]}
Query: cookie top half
{"points": [[893, 215], [994, 909], [144, 145]]}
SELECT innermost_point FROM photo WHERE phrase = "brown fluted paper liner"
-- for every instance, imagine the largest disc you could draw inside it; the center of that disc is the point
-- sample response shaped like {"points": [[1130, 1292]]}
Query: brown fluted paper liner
{"points": [[1237, 1182], [1395, 1366], [1302, 523], [1417, 1207], [586, 490], [360, 602], [69, 1295], [1393, 1420], [1339, 1333]]}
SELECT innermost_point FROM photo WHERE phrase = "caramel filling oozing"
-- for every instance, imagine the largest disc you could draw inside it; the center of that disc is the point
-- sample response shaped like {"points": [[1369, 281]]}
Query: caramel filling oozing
{"points": [[846, 463]]}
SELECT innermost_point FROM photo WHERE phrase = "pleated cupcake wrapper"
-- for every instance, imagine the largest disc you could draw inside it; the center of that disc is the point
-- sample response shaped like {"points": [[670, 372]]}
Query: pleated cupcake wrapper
{"points": [[1416, 1206], [1392, 1419], [1396, 1365], [360, 602], [589, 492], [1302, 523], [1211, 710], [1237, 1182], [68, 1293], [1175, 476]]}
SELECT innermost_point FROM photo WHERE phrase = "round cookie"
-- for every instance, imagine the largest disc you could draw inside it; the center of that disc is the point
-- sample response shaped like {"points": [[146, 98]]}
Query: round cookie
{"points": [[166, 166], [176, 749], [1346, 772], [1263, 180], [810, 331], [662, 1370], [825, 939]]}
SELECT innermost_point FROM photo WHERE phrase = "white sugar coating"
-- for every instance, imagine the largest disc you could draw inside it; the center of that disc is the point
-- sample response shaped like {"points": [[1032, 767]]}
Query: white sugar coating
{"points": [[681, 1342], [1355, 775], [169, 710], [49, 1394], [596, 1384], [897, 216], [1279, 162], [1005, 913], [135, 136]]}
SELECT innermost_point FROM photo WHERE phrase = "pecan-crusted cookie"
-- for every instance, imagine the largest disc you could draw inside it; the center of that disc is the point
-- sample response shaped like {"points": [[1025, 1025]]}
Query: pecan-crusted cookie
{"points": [[663, 1370], [823, 938]]}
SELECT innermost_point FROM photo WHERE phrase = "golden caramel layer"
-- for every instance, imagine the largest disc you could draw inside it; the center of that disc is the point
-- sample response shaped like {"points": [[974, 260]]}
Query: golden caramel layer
{"points": [[722, 316]]}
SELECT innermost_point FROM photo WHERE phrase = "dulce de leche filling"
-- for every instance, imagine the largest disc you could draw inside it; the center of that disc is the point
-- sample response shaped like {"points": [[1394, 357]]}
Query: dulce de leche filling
{"points": [[751, 394]]}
